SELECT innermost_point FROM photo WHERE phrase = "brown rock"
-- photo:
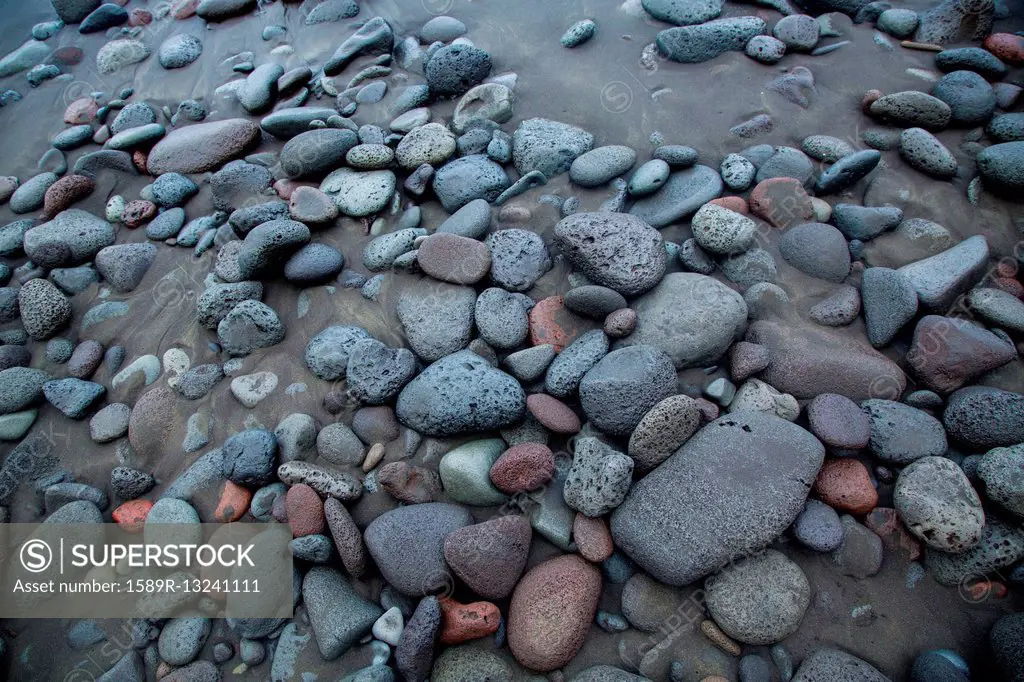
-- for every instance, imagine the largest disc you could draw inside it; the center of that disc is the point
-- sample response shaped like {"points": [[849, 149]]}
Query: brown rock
{"points": [[310, 205], [837, 421], [783, 202], [409, 483], [948, 352], [463, 622], [139, 17], [1006, 46], [347, 538], [551, 612], [376, 424], [286, 188], [203, 146], [868, 99], [490, 556], [67, 56], [523, 467], [183, 9], [455, 259], [885, 523], [66, 191], [139, 158], [553, 413], [746, 360], [593, 538], [305, 511], [845, 484], [82, 110], [234, 502], [85, 359], [738, 204], [551, 322], [149, 428], [719, 638], [138, 212]]}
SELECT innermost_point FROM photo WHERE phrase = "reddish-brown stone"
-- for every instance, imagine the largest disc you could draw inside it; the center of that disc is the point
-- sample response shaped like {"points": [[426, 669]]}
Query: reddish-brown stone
{"points": [[139, 159], [347, 538], [82, 110], [523, 467], [139, 17], [66, 191], [708, 410], [555, 415], [67, 56], [183, 9], [138, 212], [551, 612], [885, 522], [234, 502], [868, 99], [845, 484], [1006, 46], [463, 622], [131, 515], [1009, 285], [490, 556], [738, 204], [285, 188], [551, 322], [593, 538], [782, 202], [620, 323], [948, 352], [305, 511], [409, 483], [453, 258]]}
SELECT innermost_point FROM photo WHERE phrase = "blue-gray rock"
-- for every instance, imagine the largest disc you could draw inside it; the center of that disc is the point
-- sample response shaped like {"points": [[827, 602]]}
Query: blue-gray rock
{"points": [[598, 479], [599, 166], [798, 32], [998, 307], [315, 153], [865, 222], [818, 250], [676, 155], [338, 615], [327, 354], [901, 434], [463, 180], [182, 639], [938, 505], [735, 486], [594, 301], [407, 544], [219, 10], [833, 664], [218, 300], [616, 250], [313, 264], [249, 457], [700, 43], [683, 193], [30, 194], [847, 171], [287, 123], [45, 310], [73, 397], [683, 12], [970, 98], [103, 17], [941, 279], [472, 220], [414, 653], [529, 364], [1002, 166], [624, 385], [110, 423], [460, 393], [268, 244], [500, 318], [238, 183], [437, 318], [376, 373], [179, 51], [818, 527], [454, 69], [981, 417], [382, 251], [249, 326], [331, 11], [124, 266], [244, 219], [197, 381], [1006, 127], [889, 302], [316, 549], [898, 22], [73, 11], [578, 33], [23, 57], [375, 37], [173, 189], [518, 258], [72, 138], [786, 162], [911, 108], [129, 484], [360, 193], [569, 367], [548, 146], [974, 59]]}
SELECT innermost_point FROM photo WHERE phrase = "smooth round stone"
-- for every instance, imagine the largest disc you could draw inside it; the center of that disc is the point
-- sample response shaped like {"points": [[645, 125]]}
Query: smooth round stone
{"points": [[454, 259], [578, 33], [443, 28], [179, 51], [459, 182], [798, 32], [454, 69], [971, 59], [314, 263], [598, 166], [826, 148], [315, 153], [648, 178], [676, 155], [662, 430], [970, 98], [838, 422], [818, 250], [182, 639], [899, 22], [500, 318], [683, 12], [310, 205], [912, 108], [1006, 127], [737, 172], [765, 49], [998, 307], [818, 527], [594, 301], [370, 156], [923, 151], [465, 473], [1002, 165], [938, 505]]}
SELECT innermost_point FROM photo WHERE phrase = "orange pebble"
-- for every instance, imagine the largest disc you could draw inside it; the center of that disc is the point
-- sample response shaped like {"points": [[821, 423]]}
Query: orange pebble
{"points": [[234, 502], [132, 515], [463, 622]]}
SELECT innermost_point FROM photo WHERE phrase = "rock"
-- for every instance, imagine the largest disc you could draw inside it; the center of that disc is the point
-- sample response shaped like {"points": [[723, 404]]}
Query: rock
{"points": [[490, 556], [982, 418], [761, 600], [407, 544], [765, 49], [437, 320], [314, 264], [463, 663], [110, 423], [683, 12], [268, 244], [681, 196], [798, 32], [523, 467], [465, 471], [327, 354], [598, 479], [431, 143], [781, 201], [864, 222], [179, 51], [847, 171], [442, 28], [691, 317], [337, 444], [73, 397], [311, 206], [807, 361], [202, 147], [331, 11], [124, 266], [901, 434], [548, 146], [118, 54], [44, 309], [249, 326], [722, 231], [327, 483], [845, 484], [938, 505], [463, 180], [359, 194], [621, 387], [700, 43], [942, 278], [315, 153], [219, 10], [818, 527], [32, 193], [551, 611], [377, 373], [287, 123], [518, 258], [912, 109], [338, 615], [454, 259], [296, 437], [568, 368], [1004, 640], [382, 251], [970, 98], [1001, 546], [974, 59], [999, 469], [23, 57], [737, 171], [923, 151], [890, 301], [997, 307], [1000, 165], [818, 250], [1006, 128], [948, 352], [500, 319], [217, 301], [454, 69], [73, 237], [615, 250], [73, 11], [838, 422], [828, 663], [599, 166], [716, 510], [460, 393], [182, 639]]}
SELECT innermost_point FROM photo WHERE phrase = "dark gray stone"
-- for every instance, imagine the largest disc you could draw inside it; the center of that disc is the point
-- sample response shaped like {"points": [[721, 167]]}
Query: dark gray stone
{"points": [[620, 389]]}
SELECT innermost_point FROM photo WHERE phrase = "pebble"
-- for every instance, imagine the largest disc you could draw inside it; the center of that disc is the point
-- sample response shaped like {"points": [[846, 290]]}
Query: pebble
{"points": [[1000, 166], [827, 662], [251, 389], [249, 326], [118, 54], [901, 434], [454, 69], [598, 166], [578, 33], [442, 28], [437, 321], [548, 146], [765, 49], [179, 51], [818, 527], [705, 41], [900, 23], [912, 109], [338, 615], [938, 505], [798, 32], [982, 417], [518, 258], [454, 259]]}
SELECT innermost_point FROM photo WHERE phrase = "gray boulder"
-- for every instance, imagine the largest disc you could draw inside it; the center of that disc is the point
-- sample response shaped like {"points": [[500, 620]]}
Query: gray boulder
{"points": [[616, 250]]}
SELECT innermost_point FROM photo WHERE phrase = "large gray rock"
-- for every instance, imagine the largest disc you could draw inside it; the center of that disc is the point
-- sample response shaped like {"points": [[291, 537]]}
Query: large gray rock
{"points": [[437, 318], [328, 353], [468, 178], [700, 43], [941, 278], [73, 11], [683, 12], [684, 192], [1000, 469], [460, 393], [202, 147], [831, 665], [339, 616], [616, 250], [732, 489], [548, 146], [619, 390], [1001, 545], [937, 504], [691, 317], [315, 153], [889, 301], [73, 237], [901, 434], [598, 479], [818, 250], [982, 417]]}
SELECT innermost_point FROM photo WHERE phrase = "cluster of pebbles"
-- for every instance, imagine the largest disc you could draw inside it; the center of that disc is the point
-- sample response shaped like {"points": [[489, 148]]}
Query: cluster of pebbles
{"points": [[561, 423]]}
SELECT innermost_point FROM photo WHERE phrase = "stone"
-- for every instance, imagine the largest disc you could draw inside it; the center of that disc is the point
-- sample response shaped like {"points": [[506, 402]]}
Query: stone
{"points": [[490, 556], [217, 301], [838, 422], [332, 10], [923, 151], [691, 317], [74, 11], [179, 51], [568, 368], [599, 166], [465, 179], [249, 326], [327, 353], [982, 418], [438, 319], [377, 373], [202, 147], [716, 511], [901, 434], [765, 49], [682, 195], [828, 663], [889, 300], [289, 122], [997, 307], [622, 386], [615, 250], [268, 244], [337, 444], [942, 278], [123, 266], [948, 352], [523, 467], [500, 318], [970, 98], [818, 250], [648, 178], [338, 615], [313, 264], [182, 639], [938, 505], [119, 54], [910, 109], [722, 231], [454, 69], [598, 479], [999, 470], [845, 484], [760, 600], [454, 259], [315, 153], [437, 402], [847, 171], [1001, 546], [818, 527], [73, 397], [781, 201], [798, 32], [465, 472], [431, 143], [44, 309], [548, 146], [1000, 166], [700, 43], [518, 258]]}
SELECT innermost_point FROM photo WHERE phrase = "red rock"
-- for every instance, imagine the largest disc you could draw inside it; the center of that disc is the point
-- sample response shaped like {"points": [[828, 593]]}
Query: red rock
{"points": [[845, 484], [551, 612], [347, 538], [490, 556], [783, 202], [453, 258], [553, 413], [139, 159], [708, 410], [285, 188], [139, 17], [523, 467], [983, 590], [948, 352], [1009, 285], [67, 56], [132, 515], [66, 191], [305, 510], [463, 622], [593, 538], [1006, 46], [234, 502], [409, 483], [82, 110], [738, 204], [183, 9], [869, 98], [885, 522], [1006, 269], [138, 212], [551, 322]]}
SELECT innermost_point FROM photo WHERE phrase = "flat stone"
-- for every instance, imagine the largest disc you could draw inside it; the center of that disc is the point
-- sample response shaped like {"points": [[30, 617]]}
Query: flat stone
{"points": [[202, 147], [684, 192]]}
